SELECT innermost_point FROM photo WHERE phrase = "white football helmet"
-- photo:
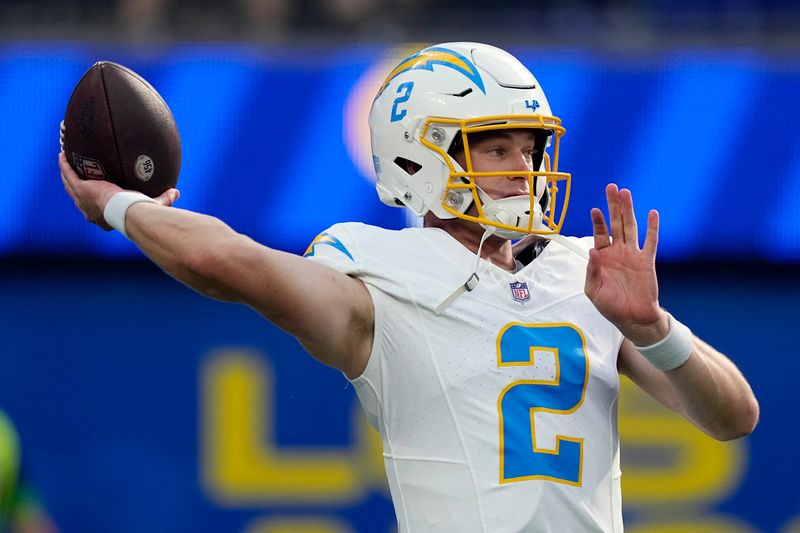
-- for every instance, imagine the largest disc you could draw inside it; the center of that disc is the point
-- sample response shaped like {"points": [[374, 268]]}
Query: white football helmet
{"points": [[430, 103]]}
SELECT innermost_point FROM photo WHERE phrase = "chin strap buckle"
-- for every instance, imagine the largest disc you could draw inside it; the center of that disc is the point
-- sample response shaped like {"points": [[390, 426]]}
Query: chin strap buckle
{"points": [[472, 280], [468, 286]]}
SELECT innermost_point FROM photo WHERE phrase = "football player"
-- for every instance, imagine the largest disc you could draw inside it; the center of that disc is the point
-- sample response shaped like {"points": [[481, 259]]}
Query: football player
{"points": [[491, 370]]}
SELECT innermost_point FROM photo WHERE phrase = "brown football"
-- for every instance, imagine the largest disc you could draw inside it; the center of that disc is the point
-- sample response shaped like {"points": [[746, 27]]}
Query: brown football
{"points": [[118, 128]]}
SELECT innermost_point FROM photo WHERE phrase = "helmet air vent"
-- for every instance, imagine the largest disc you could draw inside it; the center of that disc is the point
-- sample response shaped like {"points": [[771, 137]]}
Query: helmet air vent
{"points": [[463, 93], [410, 167]]}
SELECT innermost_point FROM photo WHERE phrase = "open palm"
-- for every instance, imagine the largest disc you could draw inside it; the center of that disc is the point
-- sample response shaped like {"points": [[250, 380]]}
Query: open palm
{"points": [[621, 278]]}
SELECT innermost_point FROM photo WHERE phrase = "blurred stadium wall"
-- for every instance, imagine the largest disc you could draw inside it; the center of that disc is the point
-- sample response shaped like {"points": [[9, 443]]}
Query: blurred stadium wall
{"points": [[143, 407]]}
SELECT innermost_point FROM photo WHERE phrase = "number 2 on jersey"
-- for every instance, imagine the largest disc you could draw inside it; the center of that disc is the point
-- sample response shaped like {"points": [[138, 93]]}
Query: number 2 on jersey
{"points": [[521, 458]]}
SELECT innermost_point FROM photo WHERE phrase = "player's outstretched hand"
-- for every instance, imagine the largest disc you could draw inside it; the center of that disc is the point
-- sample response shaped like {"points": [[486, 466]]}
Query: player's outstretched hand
{"points": [[621, 278], [91, 196]]}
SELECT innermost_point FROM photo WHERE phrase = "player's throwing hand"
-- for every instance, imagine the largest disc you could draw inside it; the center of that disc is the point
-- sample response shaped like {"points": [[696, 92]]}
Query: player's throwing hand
{"points": [[91, 196]]}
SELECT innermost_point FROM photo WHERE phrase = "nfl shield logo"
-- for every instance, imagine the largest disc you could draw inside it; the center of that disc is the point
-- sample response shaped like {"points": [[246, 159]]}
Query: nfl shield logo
{"points": [[519, 291]]}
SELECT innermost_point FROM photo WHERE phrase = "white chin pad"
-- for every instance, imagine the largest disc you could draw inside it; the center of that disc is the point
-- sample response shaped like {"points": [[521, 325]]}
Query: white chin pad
{"points": [[512, 211]]}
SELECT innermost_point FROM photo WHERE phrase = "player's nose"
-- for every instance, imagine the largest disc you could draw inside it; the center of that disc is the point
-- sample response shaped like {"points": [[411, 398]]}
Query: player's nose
{"points": [[519, 163]]}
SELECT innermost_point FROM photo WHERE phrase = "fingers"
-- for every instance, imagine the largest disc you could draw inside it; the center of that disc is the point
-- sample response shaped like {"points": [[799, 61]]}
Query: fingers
{"points": [[624, 228], [651, 239], [168, 197], [62, 160], [599, 229], [629, 226], [614, 213], [68, 175], [593, 267], [66, 170], [593, 273], [89, 196]]}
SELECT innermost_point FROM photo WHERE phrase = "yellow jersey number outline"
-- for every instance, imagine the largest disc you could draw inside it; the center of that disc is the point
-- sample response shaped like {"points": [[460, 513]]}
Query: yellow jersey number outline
{"points": [[567, 344]]}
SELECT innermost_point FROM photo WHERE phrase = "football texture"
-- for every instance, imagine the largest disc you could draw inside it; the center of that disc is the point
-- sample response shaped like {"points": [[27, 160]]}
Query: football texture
{"points": [[118, 128]]}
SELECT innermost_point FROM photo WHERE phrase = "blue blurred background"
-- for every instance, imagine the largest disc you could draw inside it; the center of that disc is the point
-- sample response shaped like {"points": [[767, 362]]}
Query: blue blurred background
{"points": [[143, 407]]}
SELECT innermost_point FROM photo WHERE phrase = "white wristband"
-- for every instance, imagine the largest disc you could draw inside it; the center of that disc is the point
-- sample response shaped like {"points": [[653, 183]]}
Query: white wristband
{"points": [[117, 207], [671, 351]]}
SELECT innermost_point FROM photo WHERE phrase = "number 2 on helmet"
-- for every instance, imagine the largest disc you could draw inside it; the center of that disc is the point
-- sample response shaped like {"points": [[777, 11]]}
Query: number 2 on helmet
{"points": [[405, 89]]}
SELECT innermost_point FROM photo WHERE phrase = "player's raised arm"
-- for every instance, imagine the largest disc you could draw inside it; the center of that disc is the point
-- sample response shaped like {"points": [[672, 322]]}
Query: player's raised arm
{"points": [[328, 311], [660, 354]]}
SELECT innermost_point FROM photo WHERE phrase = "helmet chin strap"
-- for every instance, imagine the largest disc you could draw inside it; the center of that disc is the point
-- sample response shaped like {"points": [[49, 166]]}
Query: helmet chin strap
{"points": [[472, 280], [568, 244], [512, 211]]}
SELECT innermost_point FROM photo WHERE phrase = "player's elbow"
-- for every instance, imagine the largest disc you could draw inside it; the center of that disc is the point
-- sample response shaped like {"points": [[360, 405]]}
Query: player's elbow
{"points": [[749, 419], [742, 424]]}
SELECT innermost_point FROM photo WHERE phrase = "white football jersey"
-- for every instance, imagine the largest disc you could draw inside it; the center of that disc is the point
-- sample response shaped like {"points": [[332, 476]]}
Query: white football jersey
{"points": [[500, 415]]}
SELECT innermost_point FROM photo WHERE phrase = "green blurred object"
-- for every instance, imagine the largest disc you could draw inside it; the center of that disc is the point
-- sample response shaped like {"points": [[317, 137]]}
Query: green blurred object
{"points": [[9, 470], [20, 509]]}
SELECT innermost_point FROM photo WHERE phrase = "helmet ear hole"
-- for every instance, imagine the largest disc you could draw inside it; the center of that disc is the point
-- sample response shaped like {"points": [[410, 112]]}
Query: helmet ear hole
{"points": [[408, 166]]}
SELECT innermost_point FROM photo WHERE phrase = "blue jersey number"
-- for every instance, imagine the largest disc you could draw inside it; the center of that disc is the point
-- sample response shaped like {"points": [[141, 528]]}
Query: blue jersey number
{"points": [[404, 90], [521, 457]]}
